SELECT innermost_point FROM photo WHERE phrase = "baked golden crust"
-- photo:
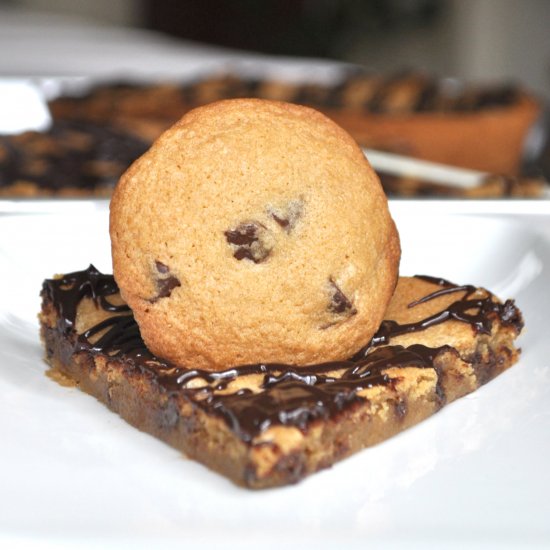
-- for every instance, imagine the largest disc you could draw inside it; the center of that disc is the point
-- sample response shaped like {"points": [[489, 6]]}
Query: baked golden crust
{"points": [[260, 229], [270, 425]]}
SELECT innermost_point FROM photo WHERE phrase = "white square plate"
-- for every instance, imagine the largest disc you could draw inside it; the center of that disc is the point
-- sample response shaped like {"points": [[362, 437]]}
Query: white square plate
{"points": [[474, 475]]}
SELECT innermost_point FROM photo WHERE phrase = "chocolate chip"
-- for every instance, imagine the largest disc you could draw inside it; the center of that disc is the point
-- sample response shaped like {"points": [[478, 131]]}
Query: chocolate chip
{"points": [[287, 216], [339, 302], [283, 222], [165, 283], [250, 241], [245, 234], [165, 286], [161, 268], [340, 307]]}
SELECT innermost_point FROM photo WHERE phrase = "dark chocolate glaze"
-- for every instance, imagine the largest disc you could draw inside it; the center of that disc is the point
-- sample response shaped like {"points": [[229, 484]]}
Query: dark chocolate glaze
{"points": [[71, 154], [430, 96], [290, 396], [474, 307], [67, 292]]}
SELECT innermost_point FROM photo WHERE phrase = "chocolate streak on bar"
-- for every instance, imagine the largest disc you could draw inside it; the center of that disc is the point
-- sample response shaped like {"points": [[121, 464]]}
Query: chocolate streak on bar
{"points": [[473, 308], [291, 396], [67, 292]]}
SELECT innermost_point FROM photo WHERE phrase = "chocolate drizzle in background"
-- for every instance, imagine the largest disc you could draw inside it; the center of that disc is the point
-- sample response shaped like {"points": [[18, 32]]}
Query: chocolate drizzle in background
{"points": [[95, 136], [70, 154], [291, 396]]}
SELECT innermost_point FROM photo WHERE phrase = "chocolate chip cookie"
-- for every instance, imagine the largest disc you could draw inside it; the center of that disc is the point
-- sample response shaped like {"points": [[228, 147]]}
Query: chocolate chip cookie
{"points": [[254, 231]]}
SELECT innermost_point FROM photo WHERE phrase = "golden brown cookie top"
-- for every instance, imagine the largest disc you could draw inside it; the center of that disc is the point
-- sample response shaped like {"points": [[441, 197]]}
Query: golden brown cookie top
{"points": [[254, 231]]}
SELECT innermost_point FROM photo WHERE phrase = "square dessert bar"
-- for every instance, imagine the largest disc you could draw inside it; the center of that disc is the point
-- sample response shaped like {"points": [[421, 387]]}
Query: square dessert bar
{"points": [[268, 425]]}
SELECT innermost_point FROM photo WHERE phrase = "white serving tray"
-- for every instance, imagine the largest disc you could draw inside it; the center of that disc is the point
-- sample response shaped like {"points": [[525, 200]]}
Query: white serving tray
{"points": [[475, 475]]}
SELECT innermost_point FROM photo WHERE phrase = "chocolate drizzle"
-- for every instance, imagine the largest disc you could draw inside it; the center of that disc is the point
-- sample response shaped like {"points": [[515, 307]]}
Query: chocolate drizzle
{"points": [[67, 292], [290, 396], [475, 307], [70, 154]]}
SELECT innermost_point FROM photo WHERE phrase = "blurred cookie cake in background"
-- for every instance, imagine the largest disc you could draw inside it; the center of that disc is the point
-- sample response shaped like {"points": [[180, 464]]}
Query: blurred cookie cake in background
{"points": [[96, 133]]}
